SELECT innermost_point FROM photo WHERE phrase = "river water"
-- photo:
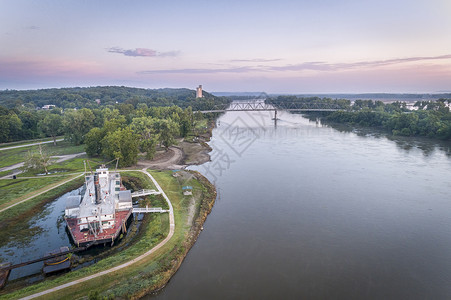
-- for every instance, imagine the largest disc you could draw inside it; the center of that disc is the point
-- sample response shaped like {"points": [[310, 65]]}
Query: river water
{"points": [[34, 236], [306, 211]]}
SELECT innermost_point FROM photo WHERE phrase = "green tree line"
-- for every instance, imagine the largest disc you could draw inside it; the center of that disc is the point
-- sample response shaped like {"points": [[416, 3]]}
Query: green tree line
{"points": [[431, 119], [21, 117], [96, 97]]}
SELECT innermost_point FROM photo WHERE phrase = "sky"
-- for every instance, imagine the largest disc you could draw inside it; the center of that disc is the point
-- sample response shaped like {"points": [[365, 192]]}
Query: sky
{"points": [[304, 46]]}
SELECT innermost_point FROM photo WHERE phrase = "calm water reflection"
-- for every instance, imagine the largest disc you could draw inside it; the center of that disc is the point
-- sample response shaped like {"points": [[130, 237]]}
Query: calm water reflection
{"points": [[307, 211]]}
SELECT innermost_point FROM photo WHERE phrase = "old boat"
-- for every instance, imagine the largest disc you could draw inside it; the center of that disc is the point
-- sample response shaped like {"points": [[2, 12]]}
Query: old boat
{"points": [[58, 262], [101, 212]]}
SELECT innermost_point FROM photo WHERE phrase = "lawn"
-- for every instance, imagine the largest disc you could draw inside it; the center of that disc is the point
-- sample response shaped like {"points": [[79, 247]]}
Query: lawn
{"points": [[11, 189], [19, 143], [14, 156]]}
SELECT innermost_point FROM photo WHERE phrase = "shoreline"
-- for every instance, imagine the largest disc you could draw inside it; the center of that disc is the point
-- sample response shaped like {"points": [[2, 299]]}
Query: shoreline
{"points": [[206, 203], [186, 153], [193, 234]]}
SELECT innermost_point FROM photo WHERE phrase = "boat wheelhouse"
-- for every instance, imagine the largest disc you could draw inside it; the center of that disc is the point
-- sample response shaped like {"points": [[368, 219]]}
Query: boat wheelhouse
{"points": [[100, 213]]}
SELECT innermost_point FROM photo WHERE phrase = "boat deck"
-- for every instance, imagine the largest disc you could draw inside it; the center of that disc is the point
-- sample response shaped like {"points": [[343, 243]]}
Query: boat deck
{"points": [[108, 235]]}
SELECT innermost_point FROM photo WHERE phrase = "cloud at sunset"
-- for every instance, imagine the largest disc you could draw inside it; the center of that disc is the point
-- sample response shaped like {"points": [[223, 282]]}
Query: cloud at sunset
{"points": [[324, 66], [256, 60], [141, 52], [304, 66], [242, 47]]}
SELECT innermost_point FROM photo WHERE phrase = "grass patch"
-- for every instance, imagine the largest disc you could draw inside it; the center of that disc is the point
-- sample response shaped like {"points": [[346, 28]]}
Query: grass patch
{"points": [[15, 156], [20, 143], [75, 165], [33, 204], [19, 189], [134, 181], [149, 274]]}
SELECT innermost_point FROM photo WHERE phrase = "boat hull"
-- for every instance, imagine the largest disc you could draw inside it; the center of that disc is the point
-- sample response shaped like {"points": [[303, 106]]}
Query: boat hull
{"points": [[107, 236]]}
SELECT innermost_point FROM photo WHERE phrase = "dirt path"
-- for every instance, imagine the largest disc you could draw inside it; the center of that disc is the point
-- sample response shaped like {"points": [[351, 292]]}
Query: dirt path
{"points": [[169, 160], [127, 264]]}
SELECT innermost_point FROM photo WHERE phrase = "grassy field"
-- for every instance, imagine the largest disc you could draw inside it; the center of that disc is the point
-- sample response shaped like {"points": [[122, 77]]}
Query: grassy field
{"points": [[153, 271], [14, 156], [11, 189], [75, 165], [19, 143], [136, 180], [34, 203]]}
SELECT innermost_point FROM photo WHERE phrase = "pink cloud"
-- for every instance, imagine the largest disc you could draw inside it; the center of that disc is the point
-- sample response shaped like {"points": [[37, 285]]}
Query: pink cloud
{"points": [[141, 52]]}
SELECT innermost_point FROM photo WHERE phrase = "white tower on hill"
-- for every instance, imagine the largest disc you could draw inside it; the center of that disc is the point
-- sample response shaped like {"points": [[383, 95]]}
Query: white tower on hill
{"points": [[199, 92]]}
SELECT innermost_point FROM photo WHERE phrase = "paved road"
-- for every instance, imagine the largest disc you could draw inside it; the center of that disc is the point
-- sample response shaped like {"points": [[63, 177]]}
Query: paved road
{"points": [[27, 145], [129, 263], [59, 158]]}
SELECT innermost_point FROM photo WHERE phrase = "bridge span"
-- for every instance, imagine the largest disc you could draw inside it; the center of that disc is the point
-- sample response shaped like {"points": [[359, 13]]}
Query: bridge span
{"points": [[261, 105]]}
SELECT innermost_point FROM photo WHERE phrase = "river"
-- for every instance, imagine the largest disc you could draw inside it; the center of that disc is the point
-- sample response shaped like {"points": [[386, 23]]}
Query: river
{"points": [[306, 211]]}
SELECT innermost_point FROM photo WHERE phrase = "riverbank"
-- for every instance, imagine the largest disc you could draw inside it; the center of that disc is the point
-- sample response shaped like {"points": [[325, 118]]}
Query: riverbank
{"points": [[202, 209], [154, 271], [192, 150]]}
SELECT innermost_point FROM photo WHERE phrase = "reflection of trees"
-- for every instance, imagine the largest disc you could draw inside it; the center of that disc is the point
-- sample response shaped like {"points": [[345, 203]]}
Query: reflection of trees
{"points": [[427, 146]]}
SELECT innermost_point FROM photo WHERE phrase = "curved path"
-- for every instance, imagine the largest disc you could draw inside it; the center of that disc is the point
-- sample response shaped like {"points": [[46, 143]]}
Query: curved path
{"points": [[169, 162], [129, 263]]}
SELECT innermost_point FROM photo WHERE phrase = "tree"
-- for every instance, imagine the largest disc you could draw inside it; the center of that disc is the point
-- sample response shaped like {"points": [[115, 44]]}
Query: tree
{"points": [[149, 146], [122, 144], [15, 127], [77, 123], [145, 127], [186, 122], [37, 161], [168, 130], [93, 141], [51, 125]]}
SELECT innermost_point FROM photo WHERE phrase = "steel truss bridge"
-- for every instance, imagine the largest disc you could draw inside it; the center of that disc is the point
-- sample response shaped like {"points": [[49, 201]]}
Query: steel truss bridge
{"points": [[261, 105]]}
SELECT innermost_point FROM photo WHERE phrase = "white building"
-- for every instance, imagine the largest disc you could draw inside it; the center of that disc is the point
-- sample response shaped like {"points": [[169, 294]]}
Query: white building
{"points": [[199, 92]]}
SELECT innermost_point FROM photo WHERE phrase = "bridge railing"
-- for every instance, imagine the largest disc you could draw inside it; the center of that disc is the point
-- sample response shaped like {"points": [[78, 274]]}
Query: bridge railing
{"points": [[261, 105], [144, 193]]}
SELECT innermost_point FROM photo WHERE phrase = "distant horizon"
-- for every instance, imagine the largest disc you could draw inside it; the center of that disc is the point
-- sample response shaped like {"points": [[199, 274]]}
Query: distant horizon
{"points": [[287, 47], [237, 93]]}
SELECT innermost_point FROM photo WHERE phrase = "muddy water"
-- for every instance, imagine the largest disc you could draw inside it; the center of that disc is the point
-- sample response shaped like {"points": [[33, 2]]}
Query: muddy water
{"points": [[306, 211]]}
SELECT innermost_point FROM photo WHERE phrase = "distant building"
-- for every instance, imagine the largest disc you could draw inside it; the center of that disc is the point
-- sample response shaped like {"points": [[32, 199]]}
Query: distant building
{"points": [[199, 92], [411, 106], [98, 101], [48, 106]]}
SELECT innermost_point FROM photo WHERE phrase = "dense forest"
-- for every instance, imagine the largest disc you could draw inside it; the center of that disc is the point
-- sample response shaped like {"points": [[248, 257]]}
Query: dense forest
{"points": [[425, 118], [95, 97], [112, 122]]}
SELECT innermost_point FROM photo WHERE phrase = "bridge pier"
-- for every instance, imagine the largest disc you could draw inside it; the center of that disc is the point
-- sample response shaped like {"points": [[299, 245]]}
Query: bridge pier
{"points": [[275, 118]]}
